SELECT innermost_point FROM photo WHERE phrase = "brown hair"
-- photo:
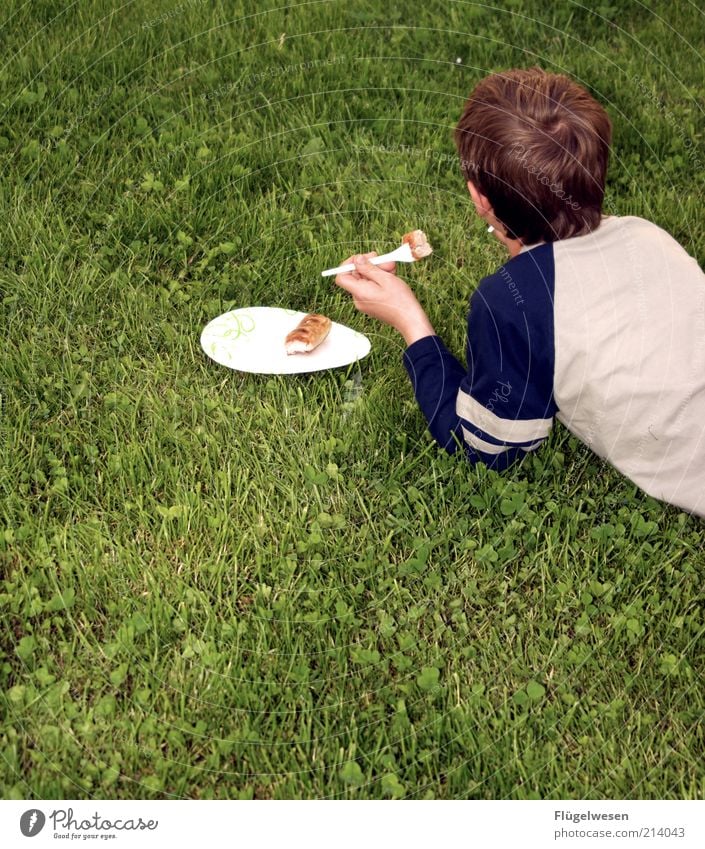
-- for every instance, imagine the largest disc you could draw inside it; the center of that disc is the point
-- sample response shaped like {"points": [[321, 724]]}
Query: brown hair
{"points": [[536, 145]]}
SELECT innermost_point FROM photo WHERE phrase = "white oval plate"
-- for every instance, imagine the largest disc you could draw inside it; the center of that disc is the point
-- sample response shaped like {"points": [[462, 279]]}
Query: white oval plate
{"points": [[252, 339]]}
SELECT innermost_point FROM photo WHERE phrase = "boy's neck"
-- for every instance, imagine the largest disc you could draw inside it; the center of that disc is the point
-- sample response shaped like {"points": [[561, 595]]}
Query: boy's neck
{"points": [[515, 247]]}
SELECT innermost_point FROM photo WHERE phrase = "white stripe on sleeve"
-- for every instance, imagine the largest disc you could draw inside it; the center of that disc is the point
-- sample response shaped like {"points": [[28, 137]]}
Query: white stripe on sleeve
{"points": [[481, 445], [508, 430]]}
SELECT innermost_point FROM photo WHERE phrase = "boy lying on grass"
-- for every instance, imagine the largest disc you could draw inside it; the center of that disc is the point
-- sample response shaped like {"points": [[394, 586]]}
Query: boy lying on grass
{"points": [[597, 320]]}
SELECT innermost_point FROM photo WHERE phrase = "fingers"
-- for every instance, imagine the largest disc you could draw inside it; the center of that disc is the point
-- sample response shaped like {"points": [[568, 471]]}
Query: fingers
{"points": [[347, 279], [353, 257], [366, 275], [385, 266], [355, 284], [351, 281], [375, 273]]}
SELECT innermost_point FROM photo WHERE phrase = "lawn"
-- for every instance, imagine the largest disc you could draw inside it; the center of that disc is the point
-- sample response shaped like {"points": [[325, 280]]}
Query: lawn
{"points": [[222, 585]]}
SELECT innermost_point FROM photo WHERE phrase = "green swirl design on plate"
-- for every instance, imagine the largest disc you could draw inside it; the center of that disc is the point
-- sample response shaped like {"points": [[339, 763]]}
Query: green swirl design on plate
{"points": [[237, 326]]}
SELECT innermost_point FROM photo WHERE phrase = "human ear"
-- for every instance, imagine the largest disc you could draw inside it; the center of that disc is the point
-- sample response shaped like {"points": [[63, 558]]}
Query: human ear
{"points": [[482, 204], [484, 209]]}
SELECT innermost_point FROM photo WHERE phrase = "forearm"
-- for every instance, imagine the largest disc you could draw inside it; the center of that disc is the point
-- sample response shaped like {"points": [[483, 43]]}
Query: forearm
{"points": [[415, 328], [436, 376]]}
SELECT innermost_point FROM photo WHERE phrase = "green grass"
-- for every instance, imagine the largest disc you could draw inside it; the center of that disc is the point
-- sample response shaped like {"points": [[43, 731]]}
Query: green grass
{"points": [[224, 585]]}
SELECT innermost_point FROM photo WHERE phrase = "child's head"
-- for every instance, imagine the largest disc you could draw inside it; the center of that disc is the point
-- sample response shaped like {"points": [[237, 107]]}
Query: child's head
{"points": [[536, 146]]}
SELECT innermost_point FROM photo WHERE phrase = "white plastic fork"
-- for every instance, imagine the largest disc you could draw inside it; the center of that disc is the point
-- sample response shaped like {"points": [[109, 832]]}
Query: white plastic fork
{"points": [[400, 254]]}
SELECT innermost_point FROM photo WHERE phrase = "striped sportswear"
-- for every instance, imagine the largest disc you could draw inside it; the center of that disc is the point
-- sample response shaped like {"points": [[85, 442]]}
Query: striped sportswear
{"points": [[605, 332]]}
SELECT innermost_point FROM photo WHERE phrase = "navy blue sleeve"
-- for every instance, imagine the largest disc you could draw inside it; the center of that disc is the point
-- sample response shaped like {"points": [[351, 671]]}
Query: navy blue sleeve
{"points": [[502, 405], [436, 376]]}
